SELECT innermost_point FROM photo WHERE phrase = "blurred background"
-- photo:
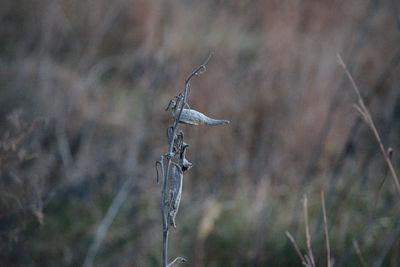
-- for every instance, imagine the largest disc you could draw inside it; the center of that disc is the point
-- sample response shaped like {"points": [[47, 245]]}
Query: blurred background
{"points": [[83, 87]]}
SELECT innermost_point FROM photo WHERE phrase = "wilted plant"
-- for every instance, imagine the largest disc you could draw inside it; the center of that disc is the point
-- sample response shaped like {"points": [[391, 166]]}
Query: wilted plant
{"points": [[173, 164]]}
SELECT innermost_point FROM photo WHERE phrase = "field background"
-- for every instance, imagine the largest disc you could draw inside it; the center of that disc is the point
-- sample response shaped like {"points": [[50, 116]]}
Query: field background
{"points": [[83, 87]]}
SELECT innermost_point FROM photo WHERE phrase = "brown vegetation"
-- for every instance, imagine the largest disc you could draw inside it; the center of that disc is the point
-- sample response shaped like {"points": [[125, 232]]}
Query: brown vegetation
{"points": [[83, 86]]}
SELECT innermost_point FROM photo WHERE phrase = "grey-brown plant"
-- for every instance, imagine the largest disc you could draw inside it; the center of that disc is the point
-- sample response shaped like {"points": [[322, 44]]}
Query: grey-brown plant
{"points": [[173, 164]]}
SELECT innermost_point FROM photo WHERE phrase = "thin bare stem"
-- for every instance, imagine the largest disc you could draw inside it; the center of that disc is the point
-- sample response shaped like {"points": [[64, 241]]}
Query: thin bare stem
{"points": [[328, 250], [358, 251], [199, 69], [177, 260], [163, 215], [362, 109], [308, 237], [303, 260]]}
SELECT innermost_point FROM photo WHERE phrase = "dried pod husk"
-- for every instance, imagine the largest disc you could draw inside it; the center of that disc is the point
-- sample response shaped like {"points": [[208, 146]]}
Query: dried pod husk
{"points": [[175, 192], [185, 164], [193, 117]]}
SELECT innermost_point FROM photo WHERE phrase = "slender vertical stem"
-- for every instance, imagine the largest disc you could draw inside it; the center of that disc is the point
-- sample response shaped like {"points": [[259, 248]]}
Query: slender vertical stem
{"points": [[303, 260], [165, 177], [362, 109], [181, 102], [163, 215], [308, 236], [358, 251], [328, 250]]}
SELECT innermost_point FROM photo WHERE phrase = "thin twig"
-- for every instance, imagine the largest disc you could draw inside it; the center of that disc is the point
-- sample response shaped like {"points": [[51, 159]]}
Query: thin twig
{"points": [[386, 73], [361, 108], [177, 260], [308, 237], [358, 251], [303, 260], [328, 250]]}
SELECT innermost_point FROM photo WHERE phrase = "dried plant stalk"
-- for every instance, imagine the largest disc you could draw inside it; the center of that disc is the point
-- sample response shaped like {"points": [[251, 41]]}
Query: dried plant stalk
{"points": [[308, 259], [303, 260], [358, 251], [362, 109], [173, 163], [308, 236], [328, 250]]}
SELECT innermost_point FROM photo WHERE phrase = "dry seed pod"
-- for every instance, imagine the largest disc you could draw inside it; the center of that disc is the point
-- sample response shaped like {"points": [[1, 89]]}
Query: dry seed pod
{"points": [[186, 165], [193, 117], [175, 192], [183, 162]]}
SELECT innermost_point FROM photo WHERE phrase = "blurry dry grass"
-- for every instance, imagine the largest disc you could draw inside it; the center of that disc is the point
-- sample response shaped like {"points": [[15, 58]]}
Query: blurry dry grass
{"points": [[97, 73]]}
